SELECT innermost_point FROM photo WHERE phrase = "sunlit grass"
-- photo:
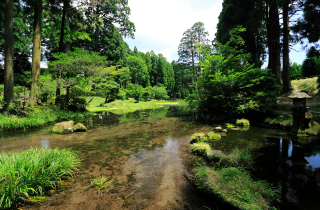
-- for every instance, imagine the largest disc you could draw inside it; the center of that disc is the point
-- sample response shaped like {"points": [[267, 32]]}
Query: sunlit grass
{"points": [[27, 175], [38, 117], [125, 106]]}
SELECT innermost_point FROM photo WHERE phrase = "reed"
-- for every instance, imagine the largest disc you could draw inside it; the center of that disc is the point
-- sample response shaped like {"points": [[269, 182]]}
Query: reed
{"points": [[31, 173]]}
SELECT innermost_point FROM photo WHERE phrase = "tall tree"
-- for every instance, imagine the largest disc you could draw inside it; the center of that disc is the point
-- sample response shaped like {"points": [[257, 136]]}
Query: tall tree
{"points": [[246, 13], [285, 51], [8, 65], [308, 26], [273, 34], [187, 50], [36, 54]]}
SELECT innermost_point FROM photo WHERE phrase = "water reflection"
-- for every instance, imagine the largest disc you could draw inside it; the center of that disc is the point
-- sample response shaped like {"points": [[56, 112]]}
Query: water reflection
{"points": [[45, 142]]}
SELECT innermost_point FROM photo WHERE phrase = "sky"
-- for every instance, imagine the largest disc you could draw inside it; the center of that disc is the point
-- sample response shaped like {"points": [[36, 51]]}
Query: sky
{"points": [[160, 25]]}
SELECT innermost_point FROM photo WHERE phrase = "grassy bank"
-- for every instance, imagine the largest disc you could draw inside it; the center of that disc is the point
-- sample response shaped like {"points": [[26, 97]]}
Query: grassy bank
{"points": [[228, 177], [38, 117], [125, 106], [26, 176]]}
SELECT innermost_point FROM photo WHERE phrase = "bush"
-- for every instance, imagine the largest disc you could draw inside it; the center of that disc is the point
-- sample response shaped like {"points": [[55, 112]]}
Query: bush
{"points": [[33, 172], [230, 85], [213, 136], [198, 137], [200, 148], [243, 122]]}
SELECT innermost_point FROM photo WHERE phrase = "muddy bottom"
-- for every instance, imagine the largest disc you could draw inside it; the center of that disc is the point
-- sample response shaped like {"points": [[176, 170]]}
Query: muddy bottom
{"points": [[146, 156]]}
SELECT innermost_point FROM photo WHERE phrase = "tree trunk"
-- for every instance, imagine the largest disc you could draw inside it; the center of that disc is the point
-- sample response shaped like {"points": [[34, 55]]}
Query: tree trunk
{"points": [[36, 54], [274, 35], [286, 65], [8, 62], [61, 50]]}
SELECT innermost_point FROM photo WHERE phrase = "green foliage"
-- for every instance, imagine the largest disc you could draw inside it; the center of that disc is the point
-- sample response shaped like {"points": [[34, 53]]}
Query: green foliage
{"points": [[243, 122], [33, 172], [102, 183], [213, 136], [138, 71], [198, 137], [200, 148], [160, 92], [229, 125], [228, 180], [230, 84], [296, 71], [230, 174], [37, 118], [311, 65], [147, 93]]}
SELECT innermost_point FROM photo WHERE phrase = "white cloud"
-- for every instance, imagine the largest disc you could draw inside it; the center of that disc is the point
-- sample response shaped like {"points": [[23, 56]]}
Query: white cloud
{"points": [[160, 24]]}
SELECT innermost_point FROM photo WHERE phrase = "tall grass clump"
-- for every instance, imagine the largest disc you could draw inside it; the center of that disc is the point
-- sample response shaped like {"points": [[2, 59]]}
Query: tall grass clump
{"points": [[38, 117], [33, 172]]}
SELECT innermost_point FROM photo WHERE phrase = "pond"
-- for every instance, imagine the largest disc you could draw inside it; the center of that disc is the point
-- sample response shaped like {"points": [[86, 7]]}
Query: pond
{"points": [[146, 154]]}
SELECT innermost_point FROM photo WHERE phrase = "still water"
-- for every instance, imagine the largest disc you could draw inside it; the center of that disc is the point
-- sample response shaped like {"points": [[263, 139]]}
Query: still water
{"points": [[146, 154]]}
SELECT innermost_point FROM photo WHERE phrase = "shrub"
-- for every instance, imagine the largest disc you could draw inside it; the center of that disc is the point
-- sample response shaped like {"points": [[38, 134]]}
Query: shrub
{"points": [[198, 137], [243, 122], [200, 148], [33, 172], [213, 136]]}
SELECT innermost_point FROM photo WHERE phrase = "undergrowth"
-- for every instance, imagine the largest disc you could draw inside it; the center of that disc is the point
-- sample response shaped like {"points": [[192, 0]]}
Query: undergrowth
{"points": [[28, 175], [38, 117]]}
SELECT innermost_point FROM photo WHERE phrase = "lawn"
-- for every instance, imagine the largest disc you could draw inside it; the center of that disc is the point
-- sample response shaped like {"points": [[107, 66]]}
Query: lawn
{"points": [[119, 107]]}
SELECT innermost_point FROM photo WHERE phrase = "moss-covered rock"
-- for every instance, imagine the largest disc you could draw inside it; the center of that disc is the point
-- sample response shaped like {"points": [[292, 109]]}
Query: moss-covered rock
{"points": [[63, 127], [79, 127], [229, 125], [215, 155], [198, 137], [200, 148], [243, 122], [213, 136]]}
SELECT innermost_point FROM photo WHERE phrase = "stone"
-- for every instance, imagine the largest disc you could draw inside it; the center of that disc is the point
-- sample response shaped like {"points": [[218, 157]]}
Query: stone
{"points": [[214, 155], [234, 129], [224, 130], [218, 128], [79, 127], [63, 127]]}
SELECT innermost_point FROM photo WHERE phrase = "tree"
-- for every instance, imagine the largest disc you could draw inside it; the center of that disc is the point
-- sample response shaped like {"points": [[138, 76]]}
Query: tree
{"points": [[138, 71], [8, 65], [187, 49], [308, 26], [311, 65], [248, 14], [36, 54], [229, 83], [285, 51]]}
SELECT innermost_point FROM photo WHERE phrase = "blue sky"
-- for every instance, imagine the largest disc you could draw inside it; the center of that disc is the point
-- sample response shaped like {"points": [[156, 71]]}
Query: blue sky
{"points": [[160, 24]]}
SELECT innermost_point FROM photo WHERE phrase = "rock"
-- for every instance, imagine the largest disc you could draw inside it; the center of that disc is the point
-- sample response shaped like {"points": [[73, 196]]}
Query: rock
{"points": [[213, 136], [79, 127], [63, 127], [198, 137], [234, 129], [224, 130], [214, 155], [218, 128]]}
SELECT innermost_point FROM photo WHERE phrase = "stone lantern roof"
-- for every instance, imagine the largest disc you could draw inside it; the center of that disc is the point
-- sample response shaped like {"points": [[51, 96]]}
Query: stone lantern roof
{"points": [[299, 95]]}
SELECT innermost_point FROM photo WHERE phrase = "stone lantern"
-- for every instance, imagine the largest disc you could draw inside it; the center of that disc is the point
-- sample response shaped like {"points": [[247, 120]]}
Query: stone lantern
{"points": [[298, 111]]}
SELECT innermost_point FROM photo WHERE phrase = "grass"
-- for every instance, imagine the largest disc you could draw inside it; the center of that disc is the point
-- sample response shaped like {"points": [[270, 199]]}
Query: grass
{"points": [[229, 179], [125, 106], [243, 122], [27, 175], [200, 148], [236, 187], [213, 136], [37, 118], [101, 183]]}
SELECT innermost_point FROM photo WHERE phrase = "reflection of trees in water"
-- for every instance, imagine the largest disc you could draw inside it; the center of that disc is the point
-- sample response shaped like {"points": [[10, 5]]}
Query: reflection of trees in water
{"points": [[297, 182]]}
